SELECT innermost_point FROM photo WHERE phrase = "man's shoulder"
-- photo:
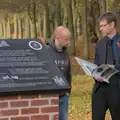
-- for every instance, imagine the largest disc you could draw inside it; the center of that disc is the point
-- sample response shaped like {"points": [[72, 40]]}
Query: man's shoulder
{"points": [[47, 46], [118, 35], [102, 41]]}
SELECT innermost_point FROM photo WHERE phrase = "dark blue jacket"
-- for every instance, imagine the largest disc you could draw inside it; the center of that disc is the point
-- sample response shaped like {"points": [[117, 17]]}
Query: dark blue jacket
{"points": [[100, 55], [61, 59]]}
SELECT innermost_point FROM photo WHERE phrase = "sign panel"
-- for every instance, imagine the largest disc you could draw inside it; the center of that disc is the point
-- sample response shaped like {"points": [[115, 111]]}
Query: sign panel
{"points": [[26, 65]]}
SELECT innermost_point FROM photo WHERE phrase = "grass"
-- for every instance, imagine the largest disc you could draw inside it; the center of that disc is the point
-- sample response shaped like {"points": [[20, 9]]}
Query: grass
{"points": [[80, 99]]}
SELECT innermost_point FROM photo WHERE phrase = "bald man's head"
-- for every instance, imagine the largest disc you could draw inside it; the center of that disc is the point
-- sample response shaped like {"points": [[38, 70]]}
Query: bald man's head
{"points": [[61, 30], [62, 36]]}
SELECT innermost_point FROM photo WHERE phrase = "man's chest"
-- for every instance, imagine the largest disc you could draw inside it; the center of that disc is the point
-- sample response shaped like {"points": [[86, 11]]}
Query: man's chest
{"points": [[104, 50], [61, 60]]}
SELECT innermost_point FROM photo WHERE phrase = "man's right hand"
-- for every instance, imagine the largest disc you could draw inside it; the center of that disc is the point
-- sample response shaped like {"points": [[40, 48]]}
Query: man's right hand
{"points": [[98, 79]]}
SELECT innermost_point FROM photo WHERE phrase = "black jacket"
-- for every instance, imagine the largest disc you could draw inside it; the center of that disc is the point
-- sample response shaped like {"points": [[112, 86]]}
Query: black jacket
{"points": [[61, 59], [100, 56]]}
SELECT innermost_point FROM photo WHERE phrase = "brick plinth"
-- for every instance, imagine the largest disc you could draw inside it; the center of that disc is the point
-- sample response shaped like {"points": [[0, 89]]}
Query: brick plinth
{"points": [[29, 107]]}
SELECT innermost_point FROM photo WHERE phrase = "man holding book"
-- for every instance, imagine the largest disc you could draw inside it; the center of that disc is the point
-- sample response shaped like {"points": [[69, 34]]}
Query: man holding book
{"points": [[107, 96]]}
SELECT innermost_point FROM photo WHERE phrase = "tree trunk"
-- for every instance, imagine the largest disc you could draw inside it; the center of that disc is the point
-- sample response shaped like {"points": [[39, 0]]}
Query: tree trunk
{"points": [[33, 30], [103, 6], [64, 14], [15, 27], [40, 26], [107, 5], [115, 5], [85, 32], [8, 29], [1, 30], [32, 16], [27, 28], [71, 27], [20, 28], [117, 11], [34, 35], [75, 16], [93, 14], [58, 13], [4, 28], [46, 22]]}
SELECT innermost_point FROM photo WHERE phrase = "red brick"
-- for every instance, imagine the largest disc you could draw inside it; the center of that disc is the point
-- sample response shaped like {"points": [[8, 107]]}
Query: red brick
{"points": [[3, 118], [56, 117], [18, 103], [54, 102], [48, 95], [49, 109], [3, 104], [39, 102], [20, 118], [29, 110], [9, 112], [40, 117], [29, 96], [9, 98]]}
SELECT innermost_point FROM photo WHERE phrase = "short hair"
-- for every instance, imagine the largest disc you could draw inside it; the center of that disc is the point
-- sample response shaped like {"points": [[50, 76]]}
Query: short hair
{"points": [[109, 17], [61, 29]]}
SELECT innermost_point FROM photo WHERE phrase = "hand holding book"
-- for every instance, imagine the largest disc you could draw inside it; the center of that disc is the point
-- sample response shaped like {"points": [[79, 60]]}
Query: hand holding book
{"points": [[99, 79], [101, 73]]}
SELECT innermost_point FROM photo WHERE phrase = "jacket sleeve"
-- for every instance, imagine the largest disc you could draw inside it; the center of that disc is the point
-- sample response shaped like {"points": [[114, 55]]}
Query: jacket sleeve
{"points": [[69, 73], [117, 67], [97, 58]]}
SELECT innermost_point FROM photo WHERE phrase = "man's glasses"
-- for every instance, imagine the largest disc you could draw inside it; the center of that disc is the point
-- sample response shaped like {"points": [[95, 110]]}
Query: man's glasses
{"points": [[105, 24]]}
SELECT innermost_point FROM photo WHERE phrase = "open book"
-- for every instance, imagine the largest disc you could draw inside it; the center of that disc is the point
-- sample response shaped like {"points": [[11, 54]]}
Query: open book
{"points": [[103, 71]]}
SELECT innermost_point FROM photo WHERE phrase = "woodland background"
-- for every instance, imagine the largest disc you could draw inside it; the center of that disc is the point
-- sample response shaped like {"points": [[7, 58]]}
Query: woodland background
{"points": [[38, 18]]}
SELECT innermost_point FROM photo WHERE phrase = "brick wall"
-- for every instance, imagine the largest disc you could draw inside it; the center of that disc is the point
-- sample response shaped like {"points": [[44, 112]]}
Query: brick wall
{"points": [[29, 107]]}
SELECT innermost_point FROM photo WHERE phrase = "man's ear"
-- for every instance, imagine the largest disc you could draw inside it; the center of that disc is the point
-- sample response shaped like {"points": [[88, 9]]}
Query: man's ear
{"points": [[57, 39], [113, 24]]}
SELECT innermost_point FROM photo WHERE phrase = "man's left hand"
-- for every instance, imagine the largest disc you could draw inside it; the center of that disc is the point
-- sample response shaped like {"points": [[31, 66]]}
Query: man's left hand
{"points": [[112, 66]]}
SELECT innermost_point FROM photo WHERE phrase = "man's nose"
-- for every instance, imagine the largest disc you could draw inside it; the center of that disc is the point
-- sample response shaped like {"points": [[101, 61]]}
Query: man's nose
{"points": [[101, 29], [68, 42]]}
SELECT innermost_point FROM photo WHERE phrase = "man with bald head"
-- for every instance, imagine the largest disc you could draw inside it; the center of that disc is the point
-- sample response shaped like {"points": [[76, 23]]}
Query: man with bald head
{"points": [[57, 48]]}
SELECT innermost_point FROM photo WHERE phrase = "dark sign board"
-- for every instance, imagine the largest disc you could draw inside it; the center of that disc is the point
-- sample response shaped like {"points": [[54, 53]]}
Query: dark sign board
{"points": [[26, 66]]}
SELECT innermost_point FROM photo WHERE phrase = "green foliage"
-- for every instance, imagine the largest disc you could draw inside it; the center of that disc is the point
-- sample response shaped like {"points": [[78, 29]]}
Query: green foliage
{"points": [[110, 5], [118, 9]]}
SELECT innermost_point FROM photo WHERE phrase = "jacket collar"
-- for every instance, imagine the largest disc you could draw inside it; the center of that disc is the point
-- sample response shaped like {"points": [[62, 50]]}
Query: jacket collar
{"points": [[51, 42], [118, 37]]}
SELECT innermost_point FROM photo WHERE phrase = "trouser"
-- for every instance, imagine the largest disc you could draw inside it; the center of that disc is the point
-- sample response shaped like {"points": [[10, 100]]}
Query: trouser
{"points": [[63, 107], [106, 97]]}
